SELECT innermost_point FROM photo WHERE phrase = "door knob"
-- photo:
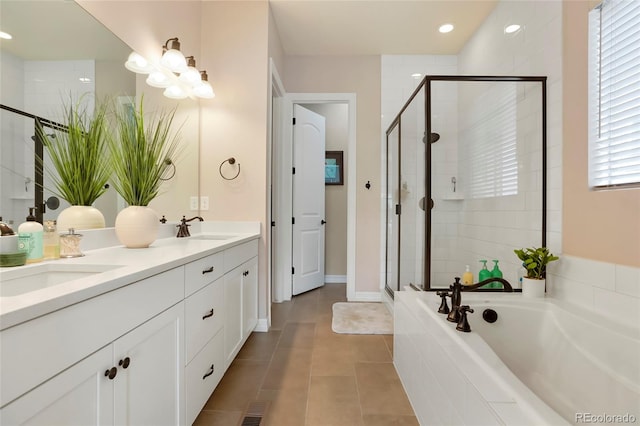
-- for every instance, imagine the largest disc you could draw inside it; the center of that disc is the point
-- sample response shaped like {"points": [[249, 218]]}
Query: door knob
{"points": [[322, 222]]}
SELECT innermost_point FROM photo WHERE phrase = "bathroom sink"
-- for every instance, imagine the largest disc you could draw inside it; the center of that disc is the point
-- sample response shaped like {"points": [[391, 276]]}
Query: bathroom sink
{"points": [[213, 237], [16, 282]]}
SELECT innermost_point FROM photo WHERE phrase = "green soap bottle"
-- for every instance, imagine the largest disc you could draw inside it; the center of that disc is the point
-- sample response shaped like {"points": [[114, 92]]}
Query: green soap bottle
{"points": [[495, 273], [484, 273]]}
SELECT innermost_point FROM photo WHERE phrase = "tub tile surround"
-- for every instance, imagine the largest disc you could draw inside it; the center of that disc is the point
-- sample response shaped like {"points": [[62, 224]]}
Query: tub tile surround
{"points": [[606, 289]]}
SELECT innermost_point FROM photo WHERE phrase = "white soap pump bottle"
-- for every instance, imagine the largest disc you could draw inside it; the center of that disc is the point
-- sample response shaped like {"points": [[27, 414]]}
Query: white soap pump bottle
{"points": [[30, 235]]}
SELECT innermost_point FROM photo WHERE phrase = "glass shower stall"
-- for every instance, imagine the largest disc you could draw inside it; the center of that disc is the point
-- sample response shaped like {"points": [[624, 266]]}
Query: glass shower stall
{"points": [[465, 179]]}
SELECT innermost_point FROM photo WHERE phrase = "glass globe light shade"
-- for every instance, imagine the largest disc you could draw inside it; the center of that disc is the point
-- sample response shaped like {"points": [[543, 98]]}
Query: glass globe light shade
{"points": [[158, 79], [175, 92]]}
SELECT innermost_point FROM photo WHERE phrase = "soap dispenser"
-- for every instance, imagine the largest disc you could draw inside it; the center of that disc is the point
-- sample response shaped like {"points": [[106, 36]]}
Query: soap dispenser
{"points": [[30, 238], [467, 277], [495, 273], [484, 273]]}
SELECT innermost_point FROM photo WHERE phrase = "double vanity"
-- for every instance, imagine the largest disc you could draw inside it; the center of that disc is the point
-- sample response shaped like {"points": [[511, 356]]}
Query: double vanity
{"points": [[127, 336]]}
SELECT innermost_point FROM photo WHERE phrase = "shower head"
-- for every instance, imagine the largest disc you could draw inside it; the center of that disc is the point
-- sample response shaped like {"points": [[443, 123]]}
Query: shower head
{"points": [[435, 137]]}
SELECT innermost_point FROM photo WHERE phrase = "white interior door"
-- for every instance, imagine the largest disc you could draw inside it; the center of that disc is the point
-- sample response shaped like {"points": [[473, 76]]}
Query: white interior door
{"points": [[308, 200]]}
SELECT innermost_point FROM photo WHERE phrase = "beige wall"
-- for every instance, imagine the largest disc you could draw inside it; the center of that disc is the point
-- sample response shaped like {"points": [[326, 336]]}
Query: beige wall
{"points": [[234, 124], [598, 225], [337, 139], [359, 75]]}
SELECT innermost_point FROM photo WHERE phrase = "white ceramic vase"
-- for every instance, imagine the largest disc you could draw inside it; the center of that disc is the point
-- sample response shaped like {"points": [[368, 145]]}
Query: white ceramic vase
{"points": [[79, 217], [532, 287], [137, 226]]}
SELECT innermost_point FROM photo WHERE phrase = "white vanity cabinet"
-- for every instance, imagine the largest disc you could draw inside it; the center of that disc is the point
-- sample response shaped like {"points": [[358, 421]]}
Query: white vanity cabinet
{"points": [[240, 296], [215, 322], [149, 352], [114, 359]]}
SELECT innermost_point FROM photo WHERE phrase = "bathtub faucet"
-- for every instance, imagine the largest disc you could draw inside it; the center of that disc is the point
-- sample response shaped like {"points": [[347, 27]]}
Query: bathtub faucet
{"points": [[456, 294]]}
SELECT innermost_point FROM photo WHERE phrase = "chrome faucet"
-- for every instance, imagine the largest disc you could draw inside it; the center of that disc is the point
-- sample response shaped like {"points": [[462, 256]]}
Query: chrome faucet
{"points": [[456, 294], [183, 228]]}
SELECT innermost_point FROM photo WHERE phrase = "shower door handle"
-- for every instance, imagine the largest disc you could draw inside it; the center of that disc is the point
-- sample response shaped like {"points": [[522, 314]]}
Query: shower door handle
{"points": [[398, 209], [322, 222]]}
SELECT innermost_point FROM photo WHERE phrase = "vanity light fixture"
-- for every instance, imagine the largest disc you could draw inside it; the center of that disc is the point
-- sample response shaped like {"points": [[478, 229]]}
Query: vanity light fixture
{"points": [[138, 64], [446, 28], [191, 75], [203, 89], [175, 92], [158, 79], [172, 57], [189, 82]]}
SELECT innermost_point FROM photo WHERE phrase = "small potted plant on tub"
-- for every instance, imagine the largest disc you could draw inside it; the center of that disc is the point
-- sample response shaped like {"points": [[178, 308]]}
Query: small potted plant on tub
{"points": [[535, 261]]}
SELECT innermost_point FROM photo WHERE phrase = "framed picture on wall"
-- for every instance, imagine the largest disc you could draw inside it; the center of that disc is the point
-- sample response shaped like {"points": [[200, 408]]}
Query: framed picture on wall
{"points": [[333, 168]]}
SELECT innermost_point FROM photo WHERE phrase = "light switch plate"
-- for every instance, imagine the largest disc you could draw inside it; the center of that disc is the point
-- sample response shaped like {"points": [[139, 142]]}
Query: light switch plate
{"points": [[204, 202], [193, 203]]}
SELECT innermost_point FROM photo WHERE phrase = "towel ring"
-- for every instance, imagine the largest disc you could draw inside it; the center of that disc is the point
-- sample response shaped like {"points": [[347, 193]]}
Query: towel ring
{"points": [[230, 161], [168, 162]]}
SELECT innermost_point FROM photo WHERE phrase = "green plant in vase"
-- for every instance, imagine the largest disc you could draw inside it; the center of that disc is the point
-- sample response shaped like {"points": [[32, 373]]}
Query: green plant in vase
{"points": [[535, 261], [79, 167], [142, 152]]}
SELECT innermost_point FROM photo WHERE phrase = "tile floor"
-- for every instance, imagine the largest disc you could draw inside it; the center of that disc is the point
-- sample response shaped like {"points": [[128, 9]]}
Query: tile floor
{"points": [[302, 373]]}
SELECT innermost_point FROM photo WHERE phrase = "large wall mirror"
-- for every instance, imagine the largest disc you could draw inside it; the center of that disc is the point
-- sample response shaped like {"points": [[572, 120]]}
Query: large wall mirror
{"points": [[60, 52]]}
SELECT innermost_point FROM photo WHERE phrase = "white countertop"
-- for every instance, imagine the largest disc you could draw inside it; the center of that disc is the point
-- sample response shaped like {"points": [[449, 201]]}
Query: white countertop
{"points": [[133, 265]]}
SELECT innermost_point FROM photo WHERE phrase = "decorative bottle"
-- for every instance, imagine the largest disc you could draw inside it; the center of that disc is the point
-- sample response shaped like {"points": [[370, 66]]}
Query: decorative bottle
{"points": [[51, 240]]}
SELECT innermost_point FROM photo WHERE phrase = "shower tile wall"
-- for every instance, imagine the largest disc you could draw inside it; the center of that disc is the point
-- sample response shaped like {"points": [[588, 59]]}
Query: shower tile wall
{"points": [[535, 50], [40, 88]]}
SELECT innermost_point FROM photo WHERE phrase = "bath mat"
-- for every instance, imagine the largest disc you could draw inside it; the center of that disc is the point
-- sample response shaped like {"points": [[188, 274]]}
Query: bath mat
{"points": [[361, 318]]}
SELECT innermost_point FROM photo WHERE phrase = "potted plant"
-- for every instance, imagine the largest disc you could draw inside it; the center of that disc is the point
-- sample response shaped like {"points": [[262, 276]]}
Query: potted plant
{"points": [[142, 152], [535, 261], [78, 169]]}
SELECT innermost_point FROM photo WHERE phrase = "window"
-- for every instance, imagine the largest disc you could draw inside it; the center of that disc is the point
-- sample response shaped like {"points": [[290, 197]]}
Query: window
{"points": [[614, 94], [489, 138]]}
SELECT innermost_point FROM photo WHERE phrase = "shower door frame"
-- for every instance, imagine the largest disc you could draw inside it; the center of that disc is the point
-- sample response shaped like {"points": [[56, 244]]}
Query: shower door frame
{"points": [[425, 85]]}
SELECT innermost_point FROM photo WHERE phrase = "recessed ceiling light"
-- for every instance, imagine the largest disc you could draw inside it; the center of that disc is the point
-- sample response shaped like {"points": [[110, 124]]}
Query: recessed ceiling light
{"points": [[5, 36], [85, 80], [445, 28], [510, 29], [416, 75]]}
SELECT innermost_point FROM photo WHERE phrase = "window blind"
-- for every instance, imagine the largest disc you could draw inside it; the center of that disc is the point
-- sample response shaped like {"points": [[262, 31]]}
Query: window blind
{"points": [[614, 94], [490, 140]]}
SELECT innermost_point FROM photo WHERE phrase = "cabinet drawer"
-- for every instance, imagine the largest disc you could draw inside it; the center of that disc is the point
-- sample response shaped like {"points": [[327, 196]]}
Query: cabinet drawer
{"points": [[203, 375], [36, 350], [204, 312], [237, 255], [201, 272]]}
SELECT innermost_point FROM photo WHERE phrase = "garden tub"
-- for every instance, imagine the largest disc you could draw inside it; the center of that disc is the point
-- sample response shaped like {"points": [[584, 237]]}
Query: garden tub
{"points": [[540, 362]]}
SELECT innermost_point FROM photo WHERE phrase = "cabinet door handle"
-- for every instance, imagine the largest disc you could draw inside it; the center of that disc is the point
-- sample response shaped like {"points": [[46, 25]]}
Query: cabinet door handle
{"points": [[210, 372], [111, 374], [206, 271], [124, 363], [208, 314]]}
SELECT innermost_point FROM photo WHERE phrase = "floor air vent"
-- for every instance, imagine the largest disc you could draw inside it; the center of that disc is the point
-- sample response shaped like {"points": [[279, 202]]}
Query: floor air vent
{"points": [[255, 412], [251, 421]]}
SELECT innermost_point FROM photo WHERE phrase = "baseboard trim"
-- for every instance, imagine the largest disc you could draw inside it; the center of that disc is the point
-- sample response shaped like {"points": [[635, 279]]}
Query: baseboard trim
{"points": [[331, 279], [366, 296], [262, 326]]}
